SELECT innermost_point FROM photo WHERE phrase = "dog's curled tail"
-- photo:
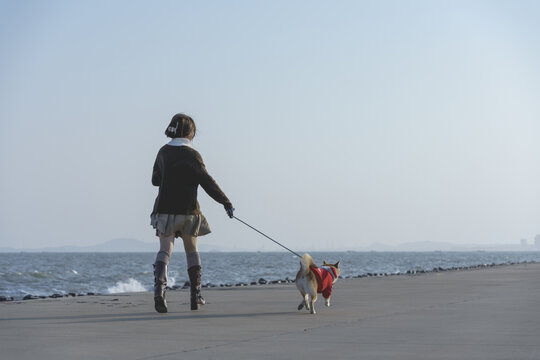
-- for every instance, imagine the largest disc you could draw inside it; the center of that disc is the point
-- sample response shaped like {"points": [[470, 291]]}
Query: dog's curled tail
{"points": [[306, 261]]}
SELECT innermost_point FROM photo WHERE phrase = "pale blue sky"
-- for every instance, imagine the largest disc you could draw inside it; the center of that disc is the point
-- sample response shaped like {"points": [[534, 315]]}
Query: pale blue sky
{"points": [[330, 125]]}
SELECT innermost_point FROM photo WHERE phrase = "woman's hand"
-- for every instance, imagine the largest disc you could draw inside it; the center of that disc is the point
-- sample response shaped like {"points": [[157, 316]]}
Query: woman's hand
{"points": [[229, 209]]}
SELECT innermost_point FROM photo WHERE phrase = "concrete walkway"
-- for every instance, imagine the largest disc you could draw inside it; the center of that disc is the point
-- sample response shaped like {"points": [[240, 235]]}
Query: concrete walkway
{"points": [[482, 314]]}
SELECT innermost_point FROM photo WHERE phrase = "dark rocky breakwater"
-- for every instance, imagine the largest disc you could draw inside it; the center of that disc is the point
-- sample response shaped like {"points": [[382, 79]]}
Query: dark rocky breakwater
{"points": [[52, 296]]}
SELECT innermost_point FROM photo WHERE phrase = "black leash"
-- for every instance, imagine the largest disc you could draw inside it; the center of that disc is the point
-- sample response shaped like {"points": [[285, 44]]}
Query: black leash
{"points": [[266, 236]]}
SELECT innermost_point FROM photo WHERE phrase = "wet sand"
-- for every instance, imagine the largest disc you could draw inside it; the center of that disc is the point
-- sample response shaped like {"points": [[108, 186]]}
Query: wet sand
{"points": [[490, 314]]}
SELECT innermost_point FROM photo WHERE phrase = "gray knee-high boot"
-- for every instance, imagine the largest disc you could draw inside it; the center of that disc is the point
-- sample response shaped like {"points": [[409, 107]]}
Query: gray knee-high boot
{"points": [[196, 298], [160, 286]]}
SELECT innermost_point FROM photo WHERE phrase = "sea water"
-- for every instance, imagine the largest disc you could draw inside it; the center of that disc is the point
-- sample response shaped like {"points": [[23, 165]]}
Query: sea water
{"points": [[44, 274]]}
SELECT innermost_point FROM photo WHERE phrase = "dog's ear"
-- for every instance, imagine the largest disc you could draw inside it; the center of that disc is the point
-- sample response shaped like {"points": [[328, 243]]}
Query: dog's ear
{"points": [[325, 263], [337, 264]]}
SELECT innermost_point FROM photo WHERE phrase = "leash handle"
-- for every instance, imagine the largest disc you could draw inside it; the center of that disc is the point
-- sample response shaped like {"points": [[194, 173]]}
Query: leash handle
{"points": [[263, 234]]}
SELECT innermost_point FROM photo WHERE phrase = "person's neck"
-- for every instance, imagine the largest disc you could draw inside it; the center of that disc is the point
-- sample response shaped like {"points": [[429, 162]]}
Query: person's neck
{"points": [[180, 142]]}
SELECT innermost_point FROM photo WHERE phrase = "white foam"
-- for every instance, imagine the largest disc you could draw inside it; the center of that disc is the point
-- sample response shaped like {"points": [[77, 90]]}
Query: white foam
{"points": [[75, 272], [131, 285], [38, 274]]}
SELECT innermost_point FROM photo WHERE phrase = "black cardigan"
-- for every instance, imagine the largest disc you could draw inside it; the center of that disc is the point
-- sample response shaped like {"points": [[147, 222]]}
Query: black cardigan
{"points": [[178, 171]]}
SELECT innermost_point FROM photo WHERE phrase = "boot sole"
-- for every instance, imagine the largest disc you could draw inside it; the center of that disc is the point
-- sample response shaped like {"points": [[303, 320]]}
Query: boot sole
{"points": [[196, 304], [160, 305]]}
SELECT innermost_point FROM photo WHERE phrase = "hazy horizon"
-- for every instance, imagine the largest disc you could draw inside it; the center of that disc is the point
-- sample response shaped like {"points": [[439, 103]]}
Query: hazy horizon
{"points": [[337, 125]]}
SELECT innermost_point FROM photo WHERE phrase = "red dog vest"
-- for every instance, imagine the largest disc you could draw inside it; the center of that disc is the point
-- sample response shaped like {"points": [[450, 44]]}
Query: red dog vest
{"points": [[325, 278]]}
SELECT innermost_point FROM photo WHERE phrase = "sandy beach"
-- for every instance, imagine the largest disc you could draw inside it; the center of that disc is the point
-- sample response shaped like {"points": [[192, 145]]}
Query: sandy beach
{"points": [[479, 314]]}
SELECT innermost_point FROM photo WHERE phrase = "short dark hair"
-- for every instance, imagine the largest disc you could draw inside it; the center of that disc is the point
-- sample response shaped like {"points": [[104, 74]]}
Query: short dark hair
{"points": [[181, 126]]}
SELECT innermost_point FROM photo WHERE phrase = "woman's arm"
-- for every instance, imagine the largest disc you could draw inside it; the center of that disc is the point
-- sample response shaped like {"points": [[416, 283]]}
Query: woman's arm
{"points": [[210, 186], [156, 173]]}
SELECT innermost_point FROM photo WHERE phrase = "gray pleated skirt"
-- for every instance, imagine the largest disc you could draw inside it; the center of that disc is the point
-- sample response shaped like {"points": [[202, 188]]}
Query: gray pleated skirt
{"points": [[168, 224]]}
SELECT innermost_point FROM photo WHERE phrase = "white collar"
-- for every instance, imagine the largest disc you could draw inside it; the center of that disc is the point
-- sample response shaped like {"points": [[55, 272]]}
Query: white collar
{"points": [[331, 270], [180, 142]]}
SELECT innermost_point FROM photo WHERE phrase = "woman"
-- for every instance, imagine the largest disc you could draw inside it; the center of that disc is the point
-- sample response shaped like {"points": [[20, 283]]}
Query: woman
{"points": [[178, 171]]}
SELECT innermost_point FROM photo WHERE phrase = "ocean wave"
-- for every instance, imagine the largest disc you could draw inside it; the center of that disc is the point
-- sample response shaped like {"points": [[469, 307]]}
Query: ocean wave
{"points": [[44, 274], [131, 285], [38, 274], [171, 281]]}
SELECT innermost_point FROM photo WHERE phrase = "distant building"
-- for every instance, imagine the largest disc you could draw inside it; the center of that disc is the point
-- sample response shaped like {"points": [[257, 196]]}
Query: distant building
{"points": [[537, 241], [524, 243]]}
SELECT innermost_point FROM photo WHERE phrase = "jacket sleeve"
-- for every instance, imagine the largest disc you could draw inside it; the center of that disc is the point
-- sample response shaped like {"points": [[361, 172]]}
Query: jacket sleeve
{"points": [[156, 172], [210, 186]]}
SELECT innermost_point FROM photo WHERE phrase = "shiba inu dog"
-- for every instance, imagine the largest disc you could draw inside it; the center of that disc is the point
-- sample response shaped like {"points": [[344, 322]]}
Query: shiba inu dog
{"points": [[312, 279]]}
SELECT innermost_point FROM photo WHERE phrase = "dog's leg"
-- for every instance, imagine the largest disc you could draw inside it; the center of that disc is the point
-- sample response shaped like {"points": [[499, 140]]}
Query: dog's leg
{"points": [[327, 302], [313, 299], [301, 306], [306, 301]]}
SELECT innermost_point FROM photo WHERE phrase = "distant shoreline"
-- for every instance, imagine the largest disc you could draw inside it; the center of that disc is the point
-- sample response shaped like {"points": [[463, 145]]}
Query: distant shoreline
{"points": [[267, 252], [134, 245]]}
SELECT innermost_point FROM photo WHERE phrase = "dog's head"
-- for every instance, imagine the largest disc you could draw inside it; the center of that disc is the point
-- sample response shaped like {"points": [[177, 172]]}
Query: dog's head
{"points": [[335, 267]]}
